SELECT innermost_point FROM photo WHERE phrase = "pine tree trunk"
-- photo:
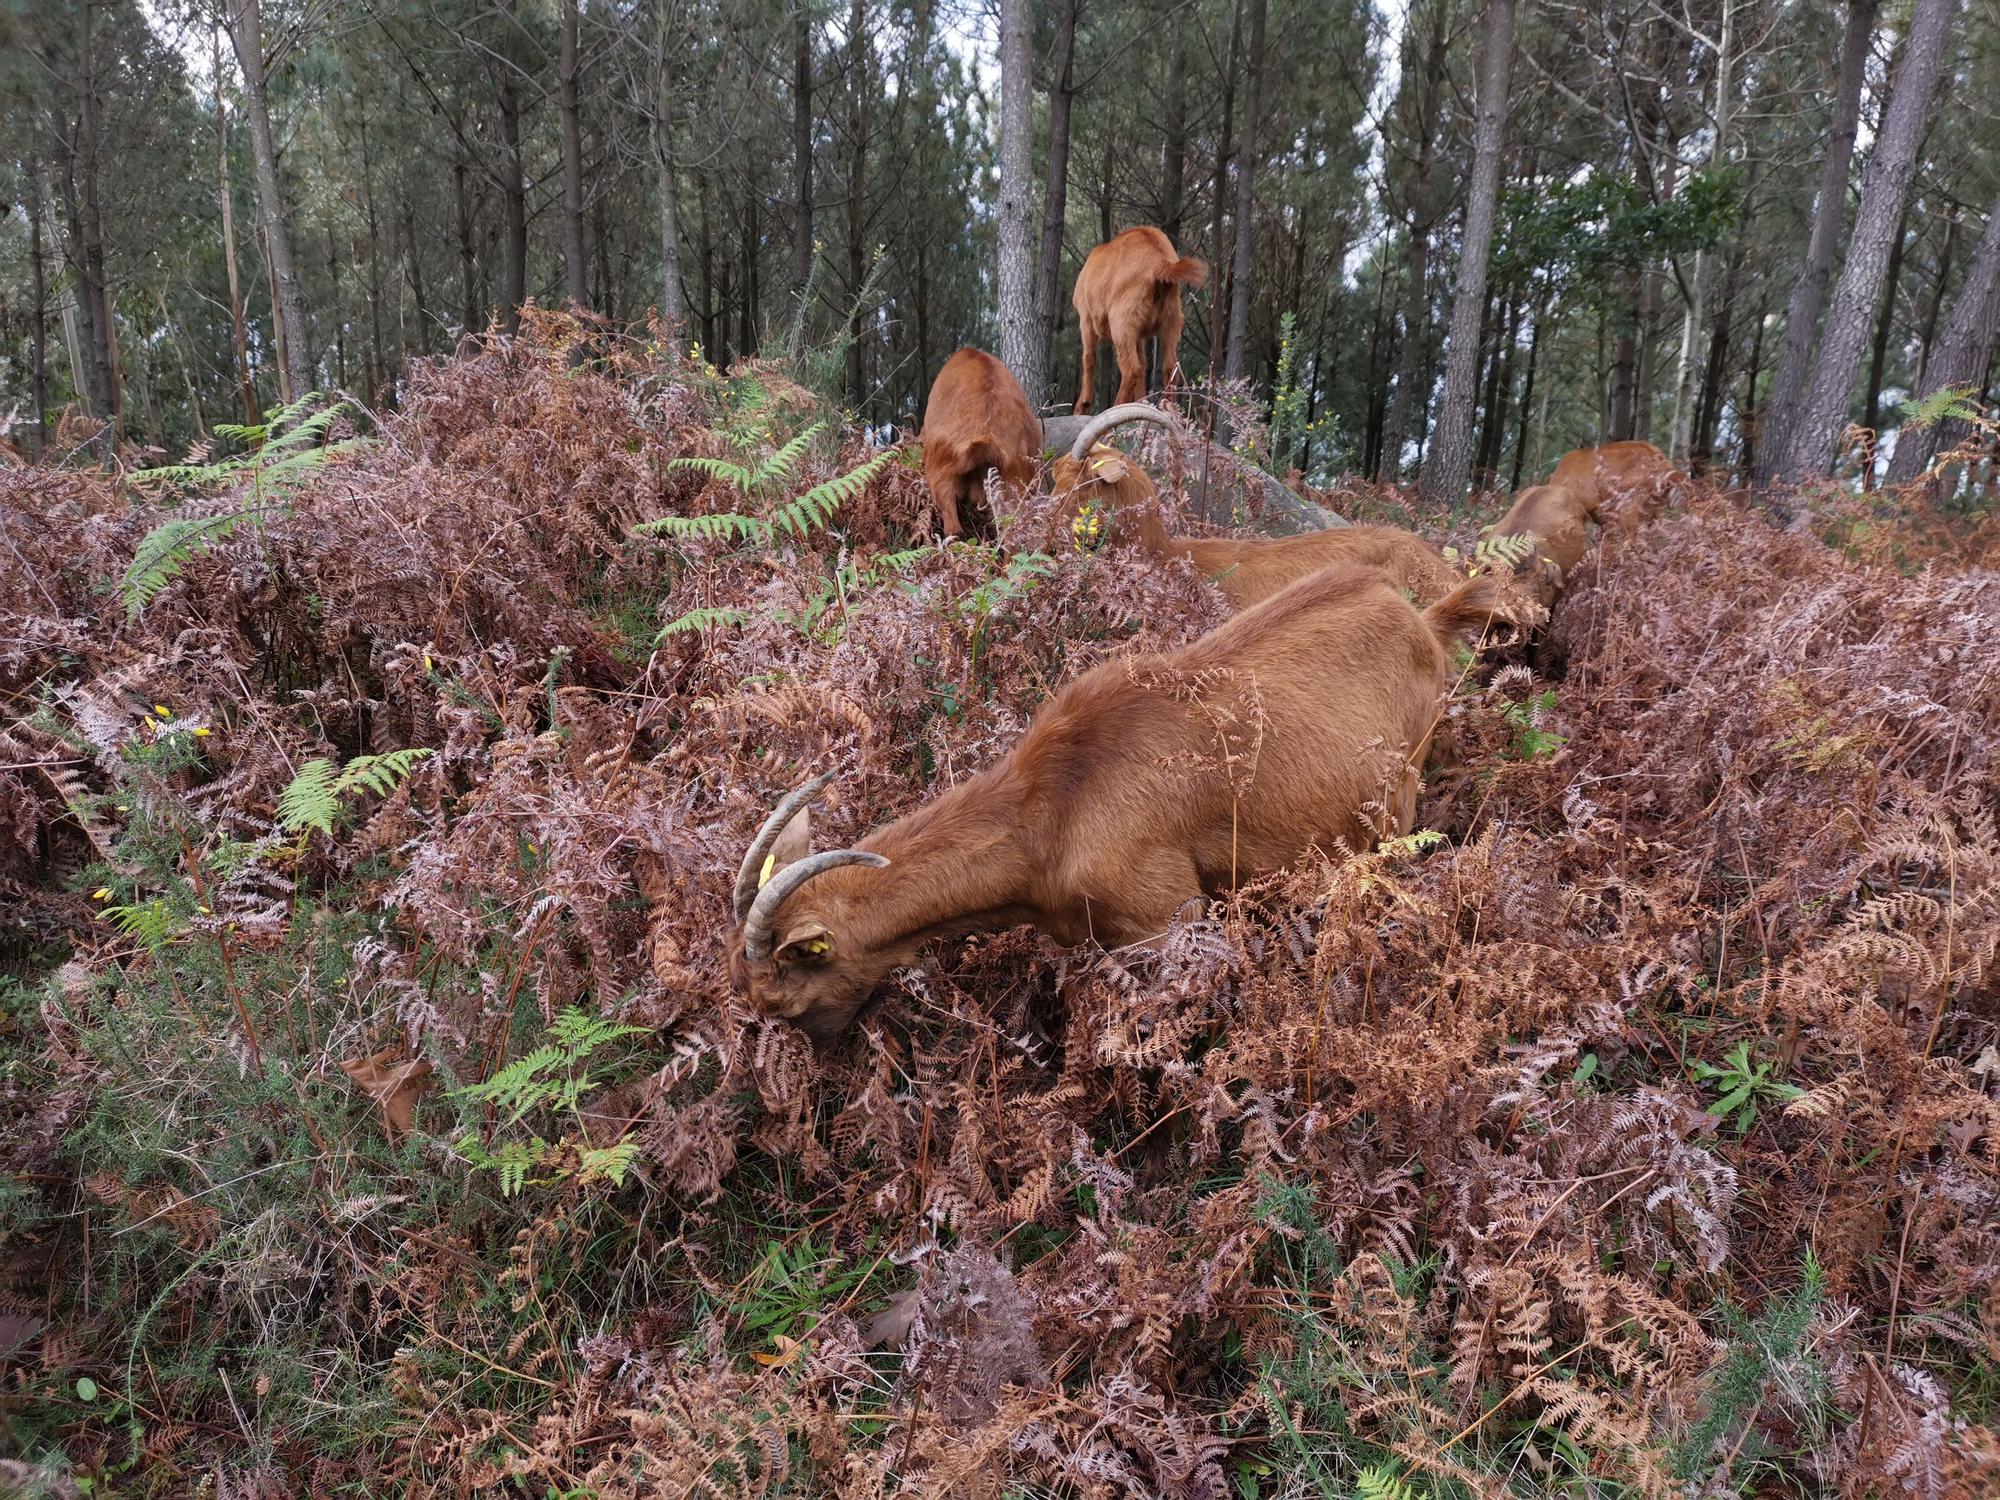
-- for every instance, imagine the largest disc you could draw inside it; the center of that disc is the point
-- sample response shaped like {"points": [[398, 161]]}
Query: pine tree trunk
{"points": [[576, 263], [468, 260], [246, 37], [1236, 361], [413, 259], [860, 88], [1694, 319], [1219, 182], [802, 149], [1020, 342], [1829, 215], [38, 312], [1048, 299], [1945, 258], [1173, 150], [513, 187], [1963, 354], [1885, 324], [239, 333], [673, 309], [77, 159], [1885, 189], [1444, 471], [1416, 292], [1540, 315], [1752, 419]]}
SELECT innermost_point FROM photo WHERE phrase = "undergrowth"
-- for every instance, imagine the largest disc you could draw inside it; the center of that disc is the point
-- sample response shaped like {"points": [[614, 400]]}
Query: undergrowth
{"points": [[383, 1124]]}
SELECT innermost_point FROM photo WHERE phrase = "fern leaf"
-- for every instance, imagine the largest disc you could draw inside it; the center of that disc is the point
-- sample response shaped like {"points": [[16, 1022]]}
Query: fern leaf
{"points": [[816, 506], [723, 525], [581, 1033], [380, 774], [310, 801], [717, 468], [702, 619], [1381, 1482], [612, 1162], [779, 465], [165, 550]]}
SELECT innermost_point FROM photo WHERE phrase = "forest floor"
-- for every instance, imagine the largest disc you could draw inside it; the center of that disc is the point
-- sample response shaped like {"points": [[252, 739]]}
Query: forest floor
{"points": [[380, 1122]]}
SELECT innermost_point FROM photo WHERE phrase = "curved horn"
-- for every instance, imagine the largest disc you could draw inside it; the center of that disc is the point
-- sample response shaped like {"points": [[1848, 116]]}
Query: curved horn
{"points": [[764, 910], [753, 862], [1117, 416]]}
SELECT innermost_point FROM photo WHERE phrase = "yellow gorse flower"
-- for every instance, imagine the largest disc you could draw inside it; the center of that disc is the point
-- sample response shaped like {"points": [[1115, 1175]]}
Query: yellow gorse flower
{"points": [[102, 893]]}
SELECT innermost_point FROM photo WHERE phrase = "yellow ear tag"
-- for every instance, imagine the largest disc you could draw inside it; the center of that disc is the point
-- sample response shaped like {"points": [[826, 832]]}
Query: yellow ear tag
{"points": [[764, 875], [818, 946]]}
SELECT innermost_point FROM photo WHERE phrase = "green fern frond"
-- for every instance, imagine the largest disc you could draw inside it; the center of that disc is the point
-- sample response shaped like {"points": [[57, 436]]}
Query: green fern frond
{"points": [[702, 619], [816, 506], [520, 1086], [310, 800], [153, 923], [779, 465], [735, 475], [612, 1162], [380, 774], [1381, 1482], [1948, 403], [165, 550], [724, 525], [581, 1033], [1512, 550]]}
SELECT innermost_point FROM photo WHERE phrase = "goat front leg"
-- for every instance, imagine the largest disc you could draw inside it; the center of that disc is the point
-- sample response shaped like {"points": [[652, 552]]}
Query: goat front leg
{"points": [[1150, 889]]}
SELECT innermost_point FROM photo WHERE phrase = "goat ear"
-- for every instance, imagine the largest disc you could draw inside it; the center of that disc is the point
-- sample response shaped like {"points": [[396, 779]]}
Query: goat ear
{"points": [[807, 943], [791, 846]]}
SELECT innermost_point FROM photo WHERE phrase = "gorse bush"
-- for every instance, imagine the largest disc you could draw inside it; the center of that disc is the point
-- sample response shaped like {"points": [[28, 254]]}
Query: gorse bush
{"points": [[399, 1133]]}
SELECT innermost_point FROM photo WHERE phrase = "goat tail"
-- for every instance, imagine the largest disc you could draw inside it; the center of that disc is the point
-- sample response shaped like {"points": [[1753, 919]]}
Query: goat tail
{"points": [[1476, 606], [1189, 271]]}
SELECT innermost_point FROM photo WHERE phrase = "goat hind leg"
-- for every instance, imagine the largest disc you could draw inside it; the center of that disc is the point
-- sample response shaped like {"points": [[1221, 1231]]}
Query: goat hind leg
{"points": [[1131, 366]]}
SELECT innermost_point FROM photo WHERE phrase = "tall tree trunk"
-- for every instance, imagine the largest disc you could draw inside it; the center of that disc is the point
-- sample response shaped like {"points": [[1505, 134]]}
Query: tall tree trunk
{"points": [[38, 312], [1444, 470], [1237, 358], [1829, 214], [513, 185], [707, 278], [575, 262], [1374, 384], [673, 310], [1885, 324], [1693, 321], [1540, 315], [1752, 419], [1929, 334], [859, 56], [377, 363], [339, 310], [238, 332], [1416, 291], [76, 153], [1885, 190], [468, 261], [802, 147], [414, 260], [1020, 344], [1173, 149], [1622, 383], [1048, 300], [288, 310], [1224, 149], [1963, 355]]}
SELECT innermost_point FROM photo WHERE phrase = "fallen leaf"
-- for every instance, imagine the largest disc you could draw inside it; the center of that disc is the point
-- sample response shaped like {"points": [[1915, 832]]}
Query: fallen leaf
{"points": [[788, 1351], [393, 1084], [892, 1323]]}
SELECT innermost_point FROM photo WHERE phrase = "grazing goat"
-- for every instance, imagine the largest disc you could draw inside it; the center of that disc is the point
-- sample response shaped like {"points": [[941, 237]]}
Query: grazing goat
{"points": [[1128, 291], [1248, 570], [977, 418], [1626, 483], [1142, 786], [1557, 518]]}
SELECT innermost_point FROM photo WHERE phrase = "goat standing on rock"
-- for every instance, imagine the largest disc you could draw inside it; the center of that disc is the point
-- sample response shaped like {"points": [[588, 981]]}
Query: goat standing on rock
{"points": [[1129, 291], [1144, 785]]}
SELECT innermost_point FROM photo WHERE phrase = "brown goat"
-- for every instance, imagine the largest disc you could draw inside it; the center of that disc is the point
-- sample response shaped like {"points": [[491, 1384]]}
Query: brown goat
{"points": [[1625, 482], [1558, 518], [977, 418], [1248, 570], [1129, 291], [1140, 787]]}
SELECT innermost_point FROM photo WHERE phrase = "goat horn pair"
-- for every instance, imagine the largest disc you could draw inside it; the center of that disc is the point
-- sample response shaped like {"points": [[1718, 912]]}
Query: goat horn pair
{"points": [[756, 909], [1117, 416]]}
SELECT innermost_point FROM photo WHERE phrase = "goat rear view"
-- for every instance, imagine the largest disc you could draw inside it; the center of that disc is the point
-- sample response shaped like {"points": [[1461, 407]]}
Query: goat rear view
{"points": [[1625, 483], [1129, 291], [1146, 784], [1248, 570], [977, 418]]}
